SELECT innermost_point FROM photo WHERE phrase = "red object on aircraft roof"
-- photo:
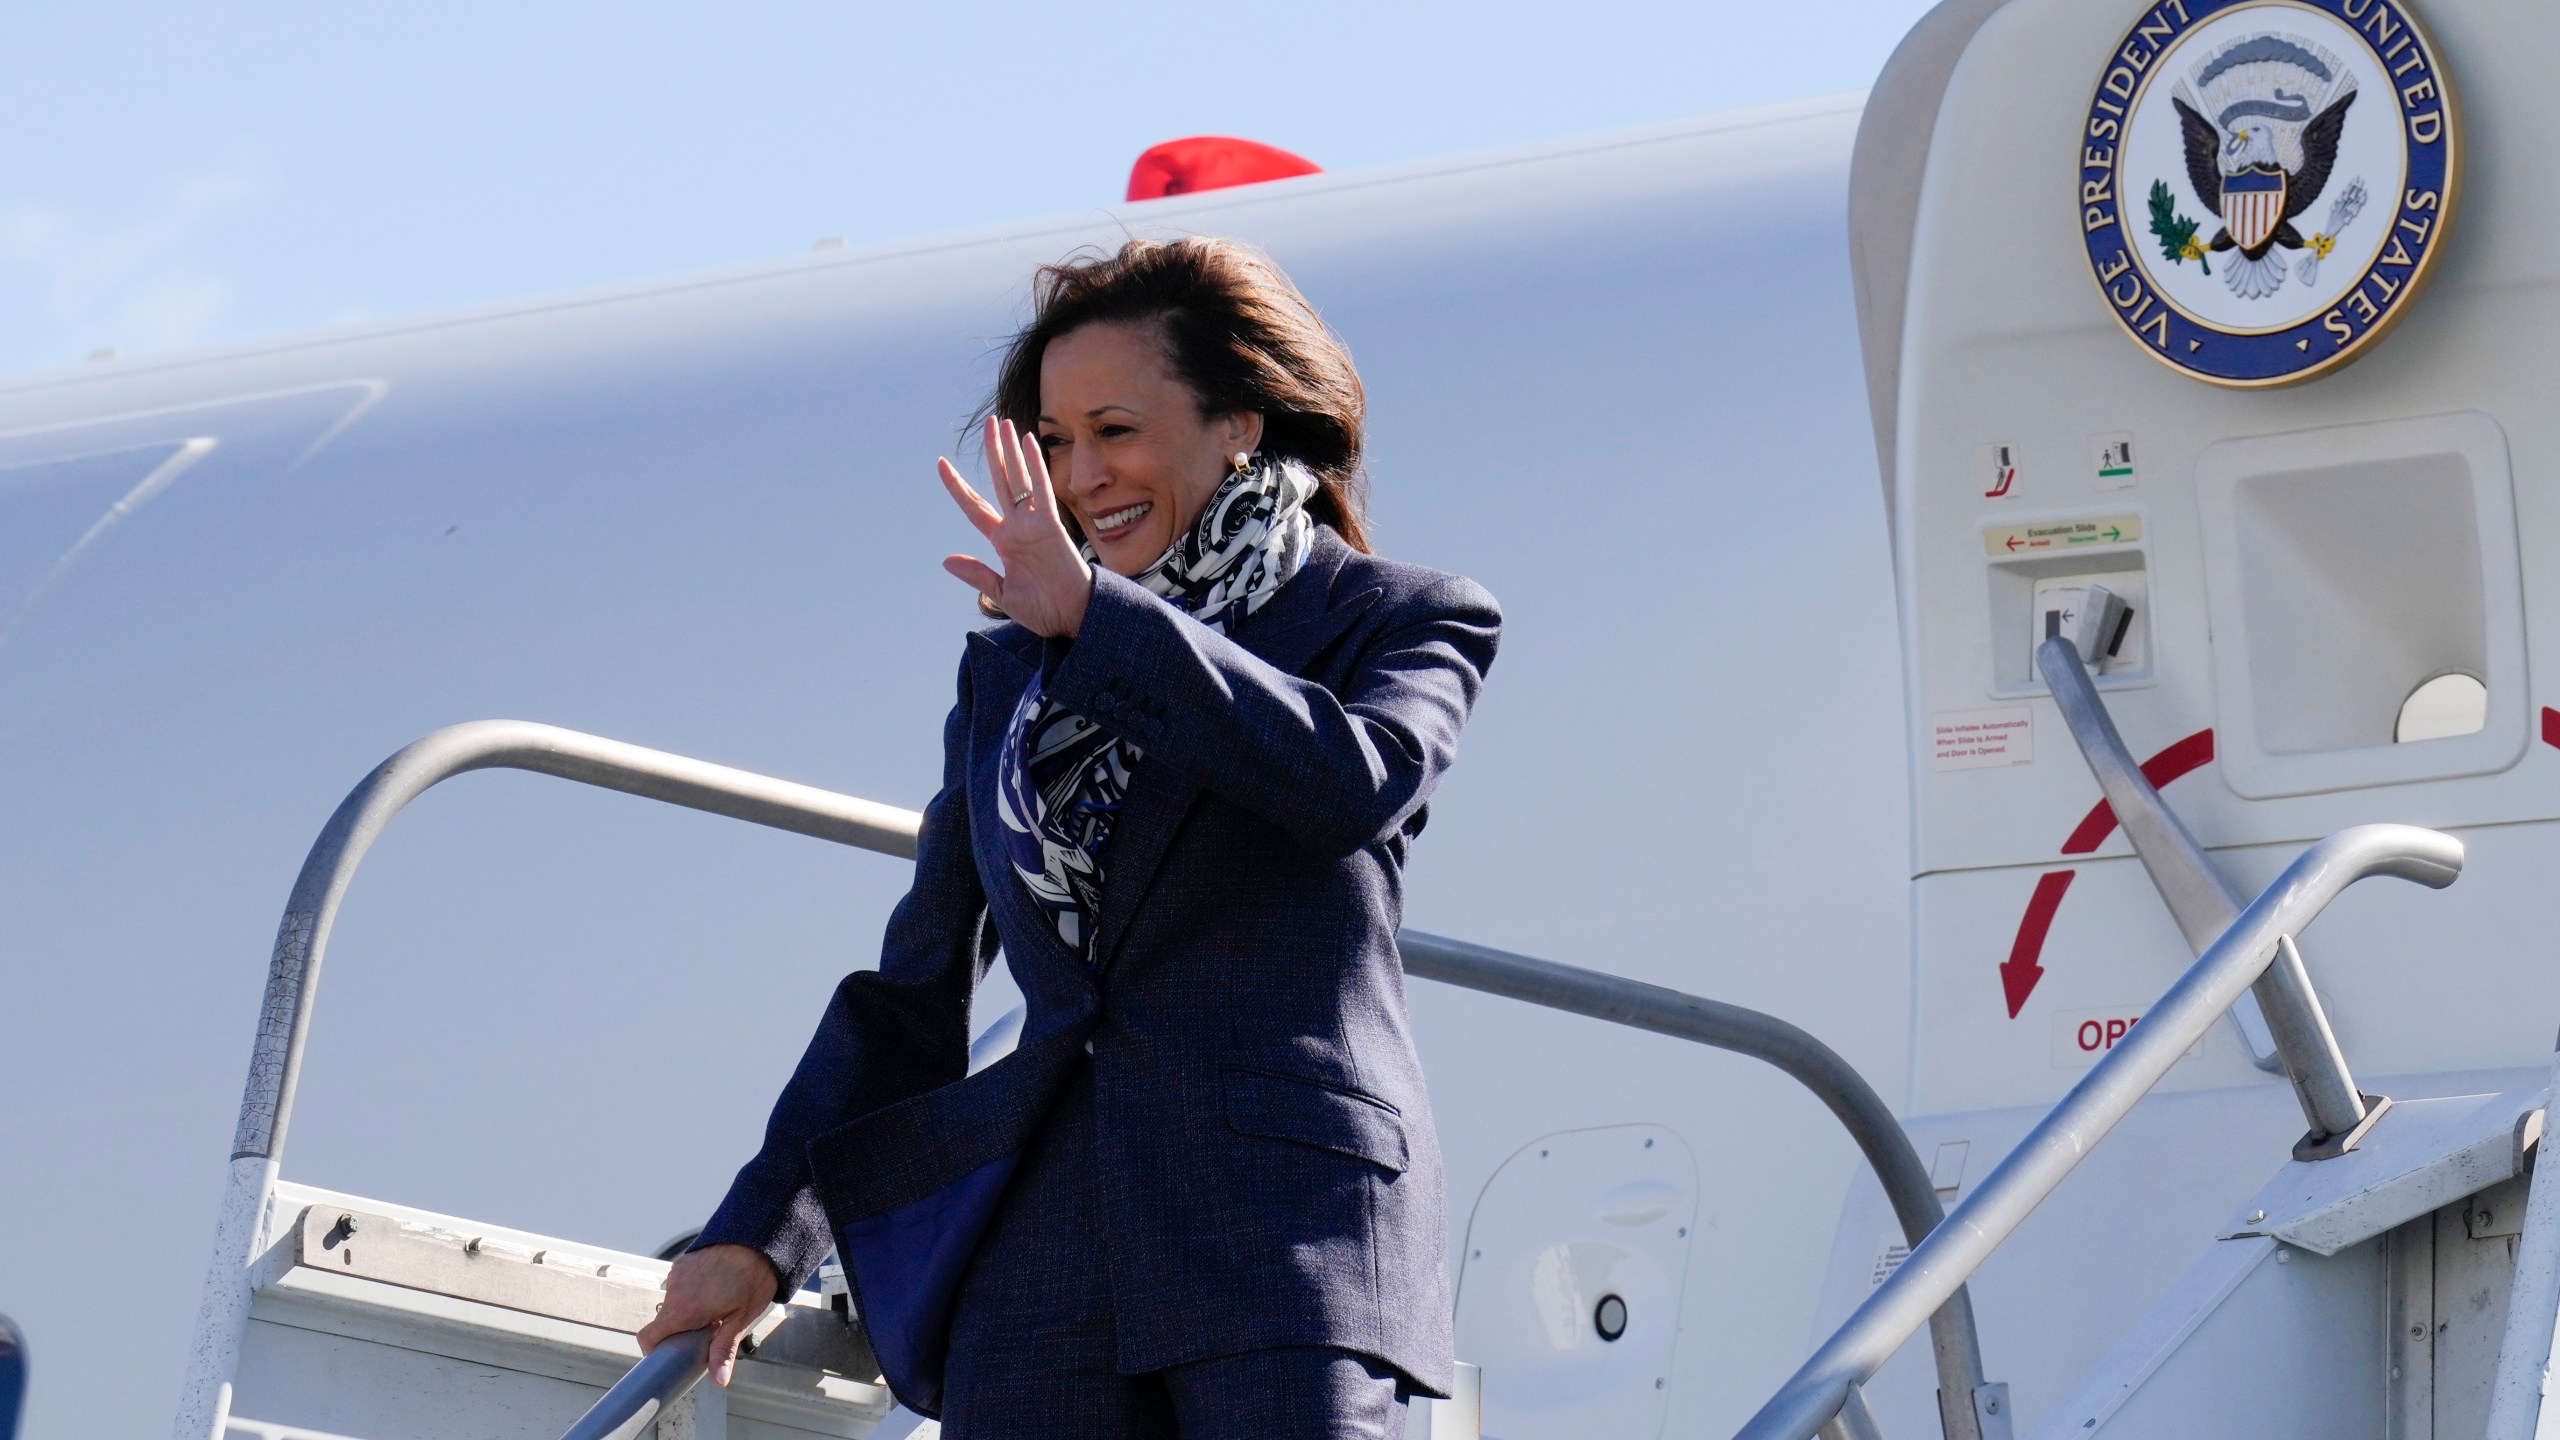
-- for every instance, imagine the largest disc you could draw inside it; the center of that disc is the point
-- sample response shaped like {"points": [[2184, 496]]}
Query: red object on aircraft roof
{"points": [[1211, 162]]}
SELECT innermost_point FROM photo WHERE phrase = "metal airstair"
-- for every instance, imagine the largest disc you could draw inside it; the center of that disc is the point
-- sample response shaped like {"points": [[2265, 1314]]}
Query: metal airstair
{"points": [[336, 1317], [2398, 1275]]}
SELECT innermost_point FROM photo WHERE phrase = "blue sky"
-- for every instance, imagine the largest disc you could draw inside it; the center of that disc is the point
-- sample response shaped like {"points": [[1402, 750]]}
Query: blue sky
{"points": [[184, 174]]}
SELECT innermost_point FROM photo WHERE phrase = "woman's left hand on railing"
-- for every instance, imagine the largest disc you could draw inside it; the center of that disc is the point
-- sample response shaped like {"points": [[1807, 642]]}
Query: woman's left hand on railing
{"points": [[721, 1288]]}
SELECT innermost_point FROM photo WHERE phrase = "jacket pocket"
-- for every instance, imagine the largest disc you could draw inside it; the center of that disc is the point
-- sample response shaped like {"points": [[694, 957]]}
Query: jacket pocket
{"points": [[1279, 1107]]}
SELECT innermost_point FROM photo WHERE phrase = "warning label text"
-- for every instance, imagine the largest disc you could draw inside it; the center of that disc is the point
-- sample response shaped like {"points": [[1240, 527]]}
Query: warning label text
{"points": [[1978, 739]]}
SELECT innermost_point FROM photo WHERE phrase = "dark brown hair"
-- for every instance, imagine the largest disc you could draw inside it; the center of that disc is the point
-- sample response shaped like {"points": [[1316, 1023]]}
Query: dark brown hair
{"points": [[1236, 332]]}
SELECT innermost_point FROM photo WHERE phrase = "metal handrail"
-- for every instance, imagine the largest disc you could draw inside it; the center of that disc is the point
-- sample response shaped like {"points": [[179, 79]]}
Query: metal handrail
{"points": [[2281, 1010], [1871, 1123], [2012, 1191], [284, 1017], [641, 1396], [2201, 902], [310, 914]]}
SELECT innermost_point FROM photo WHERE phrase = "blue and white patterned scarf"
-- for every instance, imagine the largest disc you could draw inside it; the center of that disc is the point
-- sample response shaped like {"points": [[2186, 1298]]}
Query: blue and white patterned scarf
{"points": [[1060, 779]]}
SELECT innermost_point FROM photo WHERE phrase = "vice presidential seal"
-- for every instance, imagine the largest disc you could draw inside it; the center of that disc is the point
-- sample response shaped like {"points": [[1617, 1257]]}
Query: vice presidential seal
{"points": [[2264, 184]]}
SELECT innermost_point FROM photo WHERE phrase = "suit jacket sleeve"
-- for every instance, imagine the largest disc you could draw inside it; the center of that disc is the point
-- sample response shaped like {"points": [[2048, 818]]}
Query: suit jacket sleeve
{"points": [[887, 1034], [1336, 771]]}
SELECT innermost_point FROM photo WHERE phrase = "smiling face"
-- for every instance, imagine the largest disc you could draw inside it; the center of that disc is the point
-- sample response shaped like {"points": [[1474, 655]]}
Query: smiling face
{"points": [[1128, 449]]}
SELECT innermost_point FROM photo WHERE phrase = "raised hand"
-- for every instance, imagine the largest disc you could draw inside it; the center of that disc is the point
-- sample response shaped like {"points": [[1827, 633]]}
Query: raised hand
{"points": [[1045, 581]]}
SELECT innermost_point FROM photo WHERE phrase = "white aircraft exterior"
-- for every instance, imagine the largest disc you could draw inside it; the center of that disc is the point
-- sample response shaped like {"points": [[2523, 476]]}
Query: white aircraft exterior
{"points": [[1615, 380], [1620, 381]]}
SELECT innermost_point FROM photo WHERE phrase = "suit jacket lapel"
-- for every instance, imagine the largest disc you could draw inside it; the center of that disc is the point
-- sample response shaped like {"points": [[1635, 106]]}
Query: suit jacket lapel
{"points": [[996, 677], [1287, 632]]}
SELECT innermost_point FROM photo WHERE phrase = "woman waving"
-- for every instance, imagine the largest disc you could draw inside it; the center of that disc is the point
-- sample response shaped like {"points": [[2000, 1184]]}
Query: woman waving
{"points": [[1203, 1197]]}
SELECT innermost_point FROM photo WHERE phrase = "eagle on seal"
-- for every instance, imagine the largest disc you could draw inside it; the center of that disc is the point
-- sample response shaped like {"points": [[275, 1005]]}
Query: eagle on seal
{"points": [[2262, 118]]}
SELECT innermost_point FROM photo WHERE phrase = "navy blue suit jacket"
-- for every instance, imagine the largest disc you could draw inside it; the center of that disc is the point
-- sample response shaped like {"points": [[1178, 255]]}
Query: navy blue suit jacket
{"points": [[1267, 1165]]}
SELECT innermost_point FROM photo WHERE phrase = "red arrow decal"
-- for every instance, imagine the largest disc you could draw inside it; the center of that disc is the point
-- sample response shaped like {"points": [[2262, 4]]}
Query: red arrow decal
{"points": [[2020, 972], [2192, 753], [2013, 542]]}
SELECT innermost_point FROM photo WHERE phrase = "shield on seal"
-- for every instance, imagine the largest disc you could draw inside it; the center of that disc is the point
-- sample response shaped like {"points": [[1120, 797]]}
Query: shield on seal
{"points": [[2253, 204]]}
